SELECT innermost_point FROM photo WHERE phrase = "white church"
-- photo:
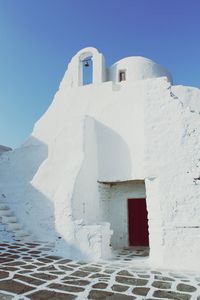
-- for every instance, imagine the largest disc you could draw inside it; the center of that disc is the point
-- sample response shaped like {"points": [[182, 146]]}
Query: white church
{"points": [[113, 163]]}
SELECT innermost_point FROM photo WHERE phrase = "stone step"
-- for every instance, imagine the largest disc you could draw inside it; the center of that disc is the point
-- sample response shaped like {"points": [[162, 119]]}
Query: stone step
{"points": [[6, 213], [14, 226], [9, 219]]}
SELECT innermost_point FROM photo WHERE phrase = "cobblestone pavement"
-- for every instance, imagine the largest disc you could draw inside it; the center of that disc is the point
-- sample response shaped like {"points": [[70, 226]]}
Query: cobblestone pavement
{"points": [[29, 271]]}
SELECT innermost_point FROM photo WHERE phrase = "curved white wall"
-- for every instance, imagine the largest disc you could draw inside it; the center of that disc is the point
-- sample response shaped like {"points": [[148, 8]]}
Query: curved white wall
{"points": [[137, 68], [74, 75]]}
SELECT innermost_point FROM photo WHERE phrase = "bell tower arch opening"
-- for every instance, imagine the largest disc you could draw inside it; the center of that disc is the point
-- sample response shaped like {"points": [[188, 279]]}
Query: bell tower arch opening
{"points": [[87, 70], [86, 67]]}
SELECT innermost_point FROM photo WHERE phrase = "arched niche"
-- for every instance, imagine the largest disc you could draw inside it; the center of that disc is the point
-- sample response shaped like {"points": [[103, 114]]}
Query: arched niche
{"points": [[98, 66]]}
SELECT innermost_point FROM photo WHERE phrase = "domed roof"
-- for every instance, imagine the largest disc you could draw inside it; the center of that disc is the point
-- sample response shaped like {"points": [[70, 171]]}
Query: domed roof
{"points": [[138, 68]]}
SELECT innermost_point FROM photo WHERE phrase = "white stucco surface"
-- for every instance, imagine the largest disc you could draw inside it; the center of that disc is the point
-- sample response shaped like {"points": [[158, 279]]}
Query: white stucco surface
{"points": [[139, 129], [137, 68]]}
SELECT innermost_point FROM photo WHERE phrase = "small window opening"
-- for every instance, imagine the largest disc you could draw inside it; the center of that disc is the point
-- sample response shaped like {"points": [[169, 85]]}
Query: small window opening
{"points": [[122, 76], [87, 66]]}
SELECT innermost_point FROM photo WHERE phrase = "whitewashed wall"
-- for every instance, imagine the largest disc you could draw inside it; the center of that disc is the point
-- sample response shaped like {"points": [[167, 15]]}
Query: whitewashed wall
{"points": [[172, 170], [108, 131]]}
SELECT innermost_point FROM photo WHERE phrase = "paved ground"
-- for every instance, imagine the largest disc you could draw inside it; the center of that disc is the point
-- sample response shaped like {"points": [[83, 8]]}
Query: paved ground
{"points": [[28, 271]]}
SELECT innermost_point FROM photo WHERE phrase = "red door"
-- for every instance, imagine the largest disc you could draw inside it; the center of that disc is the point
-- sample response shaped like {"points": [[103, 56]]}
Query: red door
{"points": [[137, 222]]}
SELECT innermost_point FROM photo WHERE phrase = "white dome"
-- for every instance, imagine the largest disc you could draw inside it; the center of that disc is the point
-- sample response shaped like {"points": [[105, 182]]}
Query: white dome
{"points": [[137, 68]]}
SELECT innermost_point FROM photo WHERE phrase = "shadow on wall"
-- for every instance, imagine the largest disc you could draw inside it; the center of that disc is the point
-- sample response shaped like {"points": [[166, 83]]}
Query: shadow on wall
{"points": [[114, 159], [17, 169], [85, 194], [106, 158], [33, 209]]}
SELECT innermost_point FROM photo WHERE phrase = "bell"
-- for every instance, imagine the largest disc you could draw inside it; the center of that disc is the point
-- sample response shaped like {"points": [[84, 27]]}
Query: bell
{"points": [[86, 63]]}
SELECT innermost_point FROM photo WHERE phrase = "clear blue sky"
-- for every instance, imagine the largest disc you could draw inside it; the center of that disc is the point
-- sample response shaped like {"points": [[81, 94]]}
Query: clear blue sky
{"points": [[39, 37]]}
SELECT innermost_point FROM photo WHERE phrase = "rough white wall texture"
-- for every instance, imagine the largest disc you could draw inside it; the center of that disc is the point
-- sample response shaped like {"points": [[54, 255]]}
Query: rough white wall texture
{"points": [[140, 129], [172, 136]]}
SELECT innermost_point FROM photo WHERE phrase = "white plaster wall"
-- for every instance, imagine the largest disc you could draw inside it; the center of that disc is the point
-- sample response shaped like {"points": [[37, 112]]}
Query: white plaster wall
{"points": [[113, 203], [142, 129], [155, 221], [172, 133], [85, 199], [49, 172], [188, 96], [120, 149]]}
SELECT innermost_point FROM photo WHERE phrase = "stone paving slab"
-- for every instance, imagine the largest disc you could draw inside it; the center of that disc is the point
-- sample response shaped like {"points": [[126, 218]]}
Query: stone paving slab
{"points": [[30, 271]]}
